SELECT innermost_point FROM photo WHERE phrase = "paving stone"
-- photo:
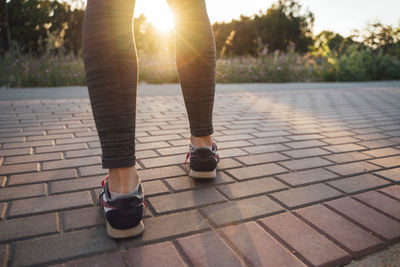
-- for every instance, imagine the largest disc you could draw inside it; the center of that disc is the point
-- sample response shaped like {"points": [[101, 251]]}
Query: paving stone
{"points": [[307, 152], [158, 173], [168, 227], [258, 247], [92, 170], [305, 131], [108, 259], [173, 150], [76, 184], [68, 163], [340, 140], [28, 227], [94, 144], [159, 138], [27, 144], [42, 176], [60, 148], [262, 158], [351, 236], [154, 187], [269, 140], [233, 137], [77, 140], [32, 158], [186, 182], [347, 157], [371, 136], [163, 161], [208, 249], [15, 151], [83, 153], [233, 144], [353, 168], [299, 178], [185, 200], [301, 137], [151, 145], [50, 203], [392, 174], [382, 152], [265, 148], [240, 210], [387, 162], [80, 218], [337, 133], [307, 163], [343, 148], [305, 144], [381, 202], [146, 154], [64, 246], [15, 192], [19, 168], [306, 195], [270, 133], [244, 173], [50, 136], [393, 191], [371, 219], [251, 187], [377, 143], [231, 152], [314, 247], [161, 254], [358, 183], [226, 163]]}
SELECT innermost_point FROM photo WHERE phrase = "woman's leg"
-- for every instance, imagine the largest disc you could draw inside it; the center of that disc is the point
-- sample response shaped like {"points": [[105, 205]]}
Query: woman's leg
{"points": [[195, 57], [110, 62]]}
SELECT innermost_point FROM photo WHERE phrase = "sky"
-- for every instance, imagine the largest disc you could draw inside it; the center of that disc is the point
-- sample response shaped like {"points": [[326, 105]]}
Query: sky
{"points": [[341, 16]]}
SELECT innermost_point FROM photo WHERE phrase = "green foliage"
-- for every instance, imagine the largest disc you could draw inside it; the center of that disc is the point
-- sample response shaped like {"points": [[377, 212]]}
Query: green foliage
{"points": [[33, 21], [278, 27], [26, 70], [273, 46]]}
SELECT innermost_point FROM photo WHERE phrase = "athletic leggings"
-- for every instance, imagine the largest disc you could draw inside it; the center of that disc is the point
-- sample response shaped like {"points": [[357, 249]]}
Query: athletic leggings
{"points": [[111, 67]]}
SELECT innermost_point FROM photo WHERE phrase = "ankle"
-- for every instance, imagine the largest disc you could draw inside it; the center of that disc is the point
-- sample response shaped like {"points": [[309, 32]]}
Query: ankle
{"points": [[202, 141], [123, 180]]}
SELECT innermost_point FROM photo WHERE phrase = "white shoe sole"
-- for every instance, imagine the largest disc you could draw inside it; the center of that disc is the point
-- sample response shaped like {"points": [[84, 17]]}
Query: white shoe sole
{"points": [[203, 175], [125, 233]]}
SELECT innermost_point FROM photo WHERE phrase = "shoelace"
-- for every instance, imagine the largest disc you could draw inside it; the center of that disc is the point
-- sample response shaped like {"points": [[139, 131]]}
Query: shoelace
{"points": [[103, 182]]}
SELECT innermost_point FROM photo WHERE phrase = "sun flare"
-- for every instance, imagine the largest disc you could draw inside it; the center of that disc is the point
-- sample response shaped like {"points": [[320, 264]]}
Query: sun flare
{"points": [[157, 12]]}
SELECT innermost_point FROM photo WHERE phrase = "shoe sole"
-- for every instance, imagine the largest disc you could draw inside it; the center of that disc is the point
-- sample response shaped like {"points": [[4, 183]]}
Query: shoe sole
{"points": [[203, 175], [125, 233]]}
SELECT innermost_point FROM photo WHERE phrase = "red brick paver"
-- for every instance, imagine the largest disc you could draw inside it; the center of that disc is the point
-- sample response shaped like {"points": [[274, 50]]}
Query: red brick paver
{"points": [[306, 178]]}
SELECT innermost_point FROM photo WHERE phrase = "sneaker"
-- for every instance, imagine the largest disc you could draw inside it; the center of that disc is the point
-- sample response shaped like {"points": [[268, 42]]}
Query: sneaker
{"points": [[203, 161], [124, 214]]}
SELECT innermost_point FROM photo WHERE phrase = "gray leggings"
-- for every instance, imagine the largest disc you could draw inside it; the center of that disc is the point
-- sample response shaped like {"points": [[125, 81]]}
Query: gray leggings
{"points": [[110, 62]]}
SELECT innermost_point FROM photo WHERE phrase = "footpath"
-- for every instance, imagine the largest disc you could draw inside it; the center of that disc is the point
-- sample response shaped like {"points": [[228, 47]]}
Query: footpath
{"points": [[309, 176]]}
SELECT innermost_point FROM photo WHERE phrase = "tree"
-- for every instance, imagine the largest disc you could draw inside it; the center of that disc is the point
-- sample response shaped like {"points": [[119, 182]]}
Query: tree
{"points": [[31, 22], [382, 37], [4, 29], [284, 24]]}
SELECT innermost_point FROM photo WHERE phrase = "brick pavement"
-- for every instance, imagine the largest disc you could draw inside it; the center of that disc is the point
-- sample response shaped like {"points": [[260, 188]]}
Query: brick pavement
{"points": [[307, 177]]}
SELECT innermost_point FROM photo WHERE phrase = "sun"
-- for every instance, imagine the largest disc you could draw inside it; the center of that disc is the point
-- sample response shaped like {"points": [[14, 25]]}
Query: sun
{"points": [[157, 12]]}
